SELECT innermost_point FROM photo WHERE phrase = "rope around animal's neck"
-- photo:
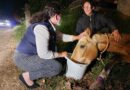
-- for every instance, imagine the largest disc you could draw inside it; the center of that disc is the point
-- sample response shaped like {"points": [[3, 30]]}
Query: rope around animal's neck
{"points": [[100, 56]]}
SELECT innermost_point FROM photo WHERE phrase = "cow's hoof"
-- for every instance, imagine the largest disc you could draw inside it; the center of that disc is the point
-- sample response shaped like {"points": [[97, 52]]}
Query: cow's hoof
{"points": [[98, 84]]}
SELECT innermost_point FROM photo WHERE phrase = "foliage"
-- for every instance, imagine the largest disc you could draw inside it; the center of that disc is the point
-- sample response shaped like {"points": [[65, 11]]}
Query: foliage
{"points": [[19, 31], [68, 24], [100, 65], [55, 83], [69, 19], [37, 5]]}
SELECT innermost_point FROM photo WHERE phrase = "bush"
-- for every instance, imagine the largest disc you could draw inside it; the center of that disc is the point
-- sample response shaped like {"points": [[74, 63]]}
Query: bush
{"points": [[68, 25], [19, 31]]}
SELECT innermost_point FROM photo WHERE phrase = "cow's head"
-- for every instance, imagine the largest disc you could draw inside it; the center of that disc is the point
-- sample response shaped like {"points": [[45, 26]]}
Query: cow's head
{"points": [[85, 50]]}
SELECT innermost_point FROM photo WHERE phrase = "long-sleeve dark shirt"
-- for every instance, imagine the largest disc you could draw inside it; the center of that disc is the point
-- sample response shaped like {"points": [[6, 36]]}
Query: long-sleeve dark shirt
{"points": [[96, 22]]}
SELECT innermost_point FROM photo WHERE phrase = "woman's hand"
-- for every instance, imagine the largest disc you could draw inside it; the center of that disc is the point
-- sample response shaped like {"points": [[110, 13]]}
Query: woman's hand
{"points": [[116, 35], [62, 54], [87, 32], [79, 36]]}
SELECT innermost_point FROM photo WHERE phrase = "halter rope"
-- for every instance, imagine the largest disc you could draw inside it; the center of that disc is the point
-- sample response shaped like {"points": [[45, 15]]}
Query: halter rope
{"points": [[100, 56]]}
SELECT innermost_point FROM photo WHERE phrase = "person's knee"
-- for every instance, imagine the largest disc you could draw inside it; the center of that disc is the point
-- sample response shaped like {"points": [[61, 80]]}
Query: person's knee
{"points": [[57, 68]]}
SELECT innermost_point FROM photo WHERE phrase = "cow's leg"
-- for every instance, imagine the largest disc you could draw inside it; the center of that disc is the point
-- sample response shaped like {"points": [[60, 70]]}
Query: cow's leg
{"points": [[98, 84]]}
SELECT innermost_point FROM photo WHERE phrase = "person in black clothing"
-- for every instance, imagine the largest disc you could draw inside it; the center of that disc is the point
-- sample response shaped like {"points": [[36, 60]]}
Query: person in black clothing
{"points": [[95, 21]]}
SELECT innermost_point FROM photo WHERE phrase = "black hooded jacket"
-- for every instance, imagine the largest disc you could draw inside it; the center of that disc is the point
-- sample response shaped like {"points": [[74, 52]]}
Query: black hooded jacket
{"points": [[97, 22]]}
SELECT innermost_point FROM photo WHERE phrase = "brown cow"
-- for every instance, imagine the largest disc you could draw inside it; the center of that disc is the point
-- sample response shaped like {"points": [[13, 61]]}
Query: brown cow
{"points": [[87, 50]]}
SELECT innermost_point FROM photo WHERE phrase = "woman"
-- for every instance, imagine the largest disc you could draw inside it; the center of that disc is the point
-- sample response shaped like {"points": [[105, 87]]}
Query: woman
{"points": [[97, 22], [36, 53]]}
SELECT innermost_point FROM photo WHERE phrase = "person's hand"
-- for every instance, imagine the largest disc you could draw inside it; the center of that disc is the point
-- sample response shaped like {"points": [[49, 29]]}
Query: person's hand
{"points": [[77, 37], [87, 32], [82, 34], [62, 54], [116, 35]]}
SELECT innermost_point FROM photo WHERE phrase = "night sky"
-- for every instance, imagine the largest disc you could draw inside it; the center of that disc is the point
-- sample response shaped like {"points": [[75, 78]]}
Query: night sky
{"points": [[8, 8]]}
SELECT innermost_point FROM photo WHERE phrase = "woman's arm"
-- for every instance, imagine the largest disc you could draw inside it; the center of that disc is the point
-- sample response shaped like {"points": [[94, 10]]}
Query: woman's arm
{"points": [[69, 38], [42, 37]]}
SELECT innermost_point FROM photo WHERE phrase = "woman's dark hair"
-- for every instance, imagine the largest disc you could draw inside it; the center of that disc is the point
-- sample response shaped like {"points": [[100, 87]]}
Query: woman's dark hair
{"points": [[49, 10], [92, 3]]}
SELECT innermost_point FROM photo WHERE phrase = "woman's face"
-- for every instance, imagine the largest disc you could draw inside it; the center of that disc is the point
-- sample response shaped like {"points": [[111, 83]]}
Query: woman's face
{"points": [[87, 8], [58, 19]]}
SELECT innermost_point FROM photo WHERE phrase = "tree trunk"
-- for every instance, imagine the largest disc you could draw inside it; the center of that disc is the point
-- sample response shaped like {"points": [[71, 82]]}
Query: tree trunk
{"points": [[123, 6], [27, 14]]}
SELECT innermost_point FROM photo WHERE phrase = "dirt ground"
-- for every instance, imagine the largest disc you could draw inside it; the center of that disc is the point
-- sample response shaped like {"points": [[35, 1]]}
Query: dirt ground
{"points": [[8, 71]]}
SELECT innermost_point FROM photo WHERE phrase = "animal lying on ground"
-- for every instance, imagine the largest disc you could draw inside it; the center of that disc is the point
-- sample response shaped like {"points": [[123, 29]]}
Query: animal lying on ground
{"points": [[88, 48]]}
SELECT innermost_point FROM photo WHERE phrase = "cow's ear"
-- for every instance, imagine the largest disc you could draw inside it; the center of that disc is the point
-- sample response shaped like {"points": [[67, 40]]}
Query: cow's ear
{"points": [[88, 31]]}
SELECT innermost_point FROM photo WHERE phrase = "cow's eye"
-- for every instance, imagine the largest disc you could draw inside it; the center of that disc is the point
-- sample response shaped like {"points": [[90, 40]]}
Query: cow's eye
{"points": [[82, 46]]}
